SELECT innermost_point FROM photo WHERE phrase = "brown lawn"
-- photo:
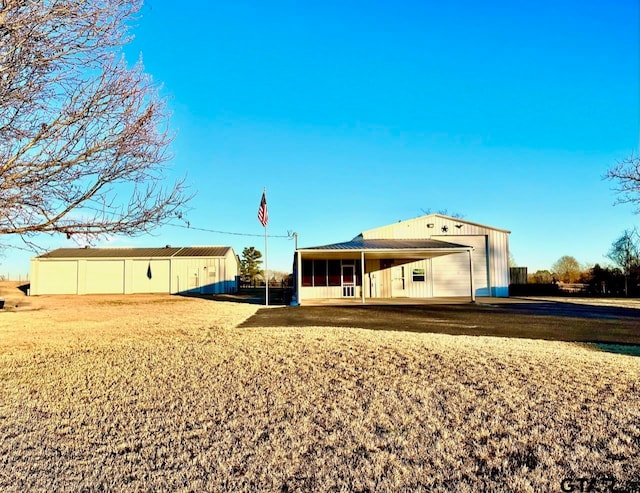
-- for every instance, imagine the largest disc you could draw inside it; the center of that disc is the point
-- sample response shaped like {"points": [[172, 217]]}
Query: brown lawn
{"points": [[149, 393]]}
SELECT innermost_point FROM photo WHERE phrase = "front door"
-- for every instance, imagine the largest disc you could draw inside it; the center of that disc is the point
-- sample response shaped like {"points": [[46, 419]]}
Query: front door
{"points": [[348, 281], [397, 282]]}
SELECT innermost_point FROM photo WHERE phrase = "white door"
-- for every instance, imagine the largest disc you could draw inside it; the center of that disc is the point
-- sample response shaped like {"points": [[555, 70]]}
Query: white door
{"points": [[398, 282], [194, 280], [348, 281]]}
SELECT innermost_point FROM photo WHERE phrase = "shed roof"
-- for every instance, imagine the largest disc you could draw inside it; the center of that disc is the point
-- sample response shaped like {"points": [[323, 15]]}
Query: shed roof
{"points": [[208, 251]]}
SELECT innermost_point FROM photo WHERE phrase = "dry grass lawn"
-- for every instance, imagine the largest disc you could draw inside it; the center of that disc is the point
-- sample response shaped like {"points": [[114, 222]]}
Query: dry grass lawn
{"points": [[156, 393]]}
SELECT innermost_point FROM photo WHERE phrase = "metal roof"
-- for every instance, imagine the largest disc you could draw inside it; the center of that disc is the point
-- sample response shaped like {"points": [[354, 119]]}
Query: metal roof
{"points": [[203, 251], [210, 251], [397, 249], [360, 244]]}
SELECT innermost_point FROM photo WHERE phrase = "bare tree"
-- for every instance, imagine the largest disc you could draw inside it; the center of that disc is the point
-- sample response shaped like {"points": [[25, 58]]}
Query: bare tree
{"points": [[626, 175], [83, 137], [442, 212], [625, 253]]}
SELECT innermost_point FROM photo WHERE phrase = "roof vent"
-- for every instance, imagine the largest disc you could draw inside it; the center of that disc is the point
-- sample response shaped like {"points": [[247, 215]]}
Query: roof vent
{"points": [[167, 246]]}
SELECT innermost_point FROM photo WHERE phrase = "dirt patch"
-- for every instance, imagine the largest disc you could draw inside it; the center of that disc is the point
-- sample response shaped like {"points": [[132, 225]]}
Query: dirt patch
{"points": [[14, 294]]}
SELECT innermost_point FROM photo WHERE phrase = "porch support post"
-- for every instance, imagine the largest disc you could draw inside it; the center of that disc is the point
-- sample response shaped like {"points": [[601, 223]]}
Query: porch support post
{"points": [[299, 277], [362, 269], [473, 288]]}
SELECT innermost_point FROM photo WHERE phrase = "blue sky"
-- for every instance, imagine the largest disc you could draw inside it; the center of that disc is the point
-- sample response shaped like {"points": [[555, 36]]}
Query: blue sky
{"points": [[359, 114]]}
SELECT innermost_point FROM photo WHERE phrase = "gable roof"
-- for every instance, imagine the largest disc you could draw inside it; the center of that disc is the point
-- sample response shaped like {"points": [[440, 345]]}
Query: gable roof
{"points": [[166, 252], [464, 221]]}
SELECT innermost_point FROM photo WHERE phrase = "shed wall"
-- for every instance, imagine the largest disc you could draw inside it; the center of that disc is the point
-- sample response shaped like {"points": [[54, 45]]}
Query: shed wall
{"points": [[202, 275]]}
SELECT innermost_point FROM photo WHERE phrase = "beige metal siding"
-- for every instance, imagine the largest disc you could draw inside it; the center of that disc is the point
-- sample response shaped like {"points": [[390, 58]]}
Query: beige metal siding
{"points": [[186, 275], [499, 264], [230, 272], [200, 275], [383, 283], [372, 267], [419, 289], [397, 281], [104, 277], [159, 281], [480, 264], [491, 273], [418, 228]]}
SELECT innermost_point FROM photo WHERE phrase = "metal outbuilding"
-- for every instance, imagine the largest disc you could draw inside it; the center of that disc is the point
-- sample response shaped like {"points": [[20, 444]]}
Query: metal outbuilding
{"points": [[426, 257], [175, 270]]}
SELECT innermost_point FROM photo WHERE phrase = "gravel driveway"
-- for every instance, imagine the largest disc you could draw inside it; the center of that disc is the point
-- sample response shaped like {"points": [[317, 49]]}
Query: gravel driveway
{"points": [[523, 318]]}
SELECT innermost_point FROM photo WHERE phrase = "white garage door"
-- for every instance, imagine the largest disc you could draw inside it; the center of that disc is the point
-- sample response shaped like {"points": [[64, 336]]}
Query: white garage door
{"points": [[57, 277], [105, 276], [151, 276], [451, 272]]}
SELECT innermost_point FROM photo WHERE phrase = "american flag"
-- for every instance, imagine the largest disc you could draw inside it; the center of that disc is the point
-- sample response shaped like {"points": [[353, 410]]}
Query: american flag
{"points": [[263, 215]]}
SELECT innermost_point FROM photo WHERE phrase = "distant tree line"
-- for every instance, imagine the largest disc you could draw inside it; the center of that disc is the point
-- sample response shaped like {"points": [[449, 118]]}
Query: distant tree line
{"points": [[620, 279]]}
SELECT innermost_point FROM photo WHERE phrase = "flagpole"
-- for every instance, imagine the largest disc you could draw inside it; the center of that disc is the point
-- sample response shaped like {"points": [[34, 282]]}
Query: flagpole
{"points": [[263, 217], [266, 269], [266, 262]]}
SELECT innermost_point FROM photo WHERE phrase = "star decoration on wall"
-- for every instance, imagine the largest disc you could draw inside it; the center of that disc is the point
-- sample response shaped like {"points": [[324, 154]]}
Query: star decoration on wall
{"points": [[445, 229]]}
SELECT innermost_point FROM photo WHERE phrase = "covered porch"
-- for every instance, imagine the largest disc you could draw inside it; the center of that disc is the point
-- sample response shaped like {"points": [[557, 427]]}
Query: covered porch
{"points": [[366, 270]]}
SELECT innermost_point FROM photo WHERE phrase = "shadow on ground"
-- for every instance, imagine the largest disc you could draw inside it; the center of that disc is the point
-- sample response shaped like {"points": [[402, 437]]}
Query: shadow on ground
{"points": [[628, 349], [236, 298], [606, 328]]}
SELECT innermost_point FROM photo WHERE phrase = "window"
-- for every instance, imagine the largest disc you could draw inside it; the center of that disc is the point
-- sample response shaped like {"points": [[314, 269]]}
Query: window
{"points": [[327, 272], [319, 272], [307, 273], [333, 270], [418, 275]]}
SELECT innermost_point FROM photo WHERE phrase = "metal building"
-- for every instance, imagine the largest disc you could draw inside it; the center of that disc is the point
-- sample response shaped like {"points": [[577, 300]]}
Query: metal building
{"points": [[175, 270], [429, 256]]}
